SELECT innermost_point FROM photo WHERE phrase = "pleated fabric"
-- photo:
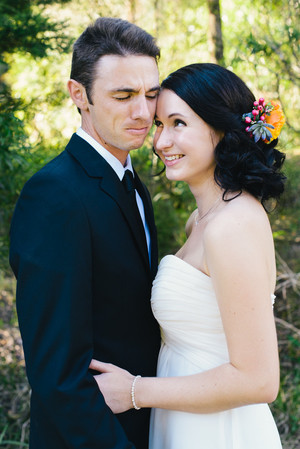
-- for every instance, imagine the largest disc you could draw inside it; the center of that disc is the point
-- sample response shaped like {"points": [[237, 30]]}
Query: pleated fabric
{"points": [[193, 340]]}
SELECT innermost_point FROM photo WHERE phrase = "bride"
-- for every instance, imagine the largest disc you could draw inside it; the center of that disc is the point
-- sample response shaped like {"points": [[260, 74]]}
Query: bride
{"points": [[218, 365]]}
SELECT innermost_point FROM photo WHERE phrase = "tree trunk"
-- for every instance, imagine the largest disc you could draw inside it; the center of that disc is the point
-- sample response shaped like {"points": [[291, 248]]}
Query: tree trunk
{"points": [[132, 11], [157, 15], [215, 39]]}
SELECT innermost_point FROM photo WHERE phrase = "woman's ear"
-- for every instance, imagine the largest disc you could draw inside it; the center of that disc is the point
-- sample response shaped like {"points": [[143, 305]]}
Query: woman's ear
{"points": [[78, 94]]}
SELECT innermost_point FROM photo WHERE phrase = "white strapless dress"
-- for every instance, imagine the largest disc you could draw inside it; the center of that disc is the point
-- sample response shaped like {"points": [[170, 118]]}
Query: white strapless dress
{"points": [[193, 340]]}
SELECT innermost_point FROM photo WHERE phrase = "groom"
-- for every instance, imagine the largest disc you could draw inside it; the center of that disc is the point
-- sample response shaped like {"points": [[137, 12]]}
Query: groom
{"points": [[85, 255]]}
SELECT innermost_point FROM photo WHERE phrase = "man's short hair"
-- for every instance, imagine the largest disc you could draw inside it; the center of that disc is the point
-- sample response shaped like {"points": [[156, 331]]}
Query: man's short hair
{"points": [[108, 36]]}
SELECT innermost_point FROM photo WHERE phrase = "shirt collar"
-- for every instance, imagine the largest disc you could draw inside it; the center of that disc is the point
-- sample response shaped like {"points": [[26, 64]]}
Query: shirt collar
{"points": [[110, 159]]}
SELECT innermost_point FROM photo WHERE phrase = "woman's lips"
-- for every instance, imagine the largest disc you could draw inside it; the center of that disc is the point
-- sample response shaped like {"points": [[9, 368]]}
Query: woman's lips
{"points": [[173, 159]]}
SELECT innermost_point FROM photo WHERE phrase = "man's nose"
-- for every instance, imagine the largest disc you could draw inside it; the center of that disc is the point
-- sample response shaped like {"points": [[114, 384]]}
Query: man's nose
{"points": [[142, 109]]}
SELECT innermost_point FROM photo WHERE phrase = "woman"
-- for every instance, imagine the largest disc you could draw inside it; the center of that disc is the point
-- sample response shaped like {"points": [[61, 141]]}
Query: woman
{"points": [[218, 365]]}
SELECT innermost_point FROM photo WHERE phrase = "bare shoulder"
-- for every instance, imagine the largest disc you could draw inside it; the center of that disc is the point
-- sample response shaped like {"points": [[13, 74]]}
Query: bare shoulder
{"points": [[238, 237], [241, 218]]}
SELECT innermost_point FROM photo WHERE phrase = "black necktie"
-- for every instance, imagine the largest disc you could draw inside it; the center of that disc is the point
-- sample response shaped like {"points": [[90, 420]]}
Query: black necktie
{"points": [[128, 182], [129, 186]]}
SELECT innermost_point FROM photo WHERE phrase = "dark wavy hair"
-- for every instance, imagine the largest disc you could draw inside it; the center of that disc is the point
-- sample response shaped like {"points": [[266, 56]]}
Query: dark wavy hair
{"points": [[220, 98]]}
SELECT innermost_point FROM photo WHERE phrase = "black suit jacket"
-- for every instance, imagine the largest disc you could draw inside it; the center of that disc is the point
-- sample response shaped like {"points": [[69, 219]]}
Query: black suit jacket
{"points": [[83, 291]]}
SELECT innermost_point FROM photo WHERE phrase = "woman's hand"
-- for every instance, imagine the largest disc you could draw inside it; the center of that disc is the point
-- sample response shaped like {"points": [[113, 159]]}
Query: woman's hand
{"points": [[115, 385]]}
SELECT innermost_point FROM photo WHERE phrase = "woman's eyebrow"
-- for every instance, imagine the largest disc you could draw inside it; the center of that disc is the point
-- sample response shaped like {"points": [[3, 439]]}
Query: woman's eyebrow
{"points": [[175, 113]]}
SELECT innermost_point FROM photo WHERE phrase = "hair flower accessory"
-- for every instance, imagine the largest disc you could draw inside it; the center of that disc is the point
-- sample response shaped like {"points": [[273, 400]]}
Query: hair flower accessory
{"points": [[264, 121]]}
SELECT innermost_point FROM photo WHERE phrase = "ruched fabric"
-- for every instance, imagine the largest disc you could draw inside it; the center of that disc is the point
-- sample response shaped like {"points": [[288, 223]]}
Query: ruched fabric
{"points": [[193, 340]]}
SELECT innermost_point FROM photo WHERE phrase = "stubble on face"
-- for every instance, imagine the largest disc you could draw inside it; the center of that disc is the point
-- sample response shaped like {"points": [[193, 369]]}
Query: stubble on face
{"points": [[124, 99]]}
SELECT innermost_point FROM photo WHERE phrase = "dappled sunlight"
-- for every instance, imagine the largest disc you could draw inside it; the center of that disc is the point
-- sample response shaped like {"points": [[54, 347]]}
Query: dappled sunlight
{"points": [[37, 117]]}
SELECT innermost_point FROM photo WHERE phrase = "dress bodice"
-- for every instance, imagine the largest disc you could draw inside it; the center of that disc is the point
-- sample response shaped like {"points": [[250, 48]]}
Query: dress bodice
{"points": [[185, 305]]}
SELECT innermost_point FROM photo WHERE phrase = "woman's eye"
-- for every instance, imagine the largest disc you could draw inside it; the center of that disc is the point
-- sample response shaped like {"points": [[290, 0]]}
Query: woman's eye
{"points": [[157, 123], [179, 122]]}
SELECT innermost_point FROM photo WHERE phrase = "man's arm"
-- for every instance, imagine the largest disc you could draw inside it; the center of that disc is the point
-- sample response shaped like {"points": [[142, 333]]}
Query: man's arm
{"points": [[51, 256]]}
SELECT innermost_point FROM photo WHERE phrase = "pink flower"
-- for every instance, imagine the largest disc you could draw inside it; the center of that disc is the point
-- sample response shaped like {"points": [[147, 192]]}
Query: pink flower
{"points": [[261, 101], [255, 103], [255, 112], [248, 120]]}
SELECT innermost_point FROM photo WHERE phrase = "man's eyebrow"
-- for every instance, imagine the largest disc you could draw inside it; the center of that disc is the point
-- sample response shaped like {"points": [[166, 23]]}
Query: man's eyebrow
{"points": [[130, 90], [154, 89]]}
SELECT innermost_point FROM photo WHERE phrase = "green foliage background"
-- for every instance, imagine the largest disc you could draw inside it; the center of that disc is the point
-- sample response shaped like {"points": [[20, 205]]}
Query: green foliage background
{"points": [[261, 44]]}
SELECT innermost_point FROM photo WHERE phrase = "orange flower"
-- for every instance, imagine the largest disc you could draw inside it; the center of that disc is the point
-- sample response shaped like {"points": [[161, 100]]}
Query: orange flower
{"points": [[276, 118]]}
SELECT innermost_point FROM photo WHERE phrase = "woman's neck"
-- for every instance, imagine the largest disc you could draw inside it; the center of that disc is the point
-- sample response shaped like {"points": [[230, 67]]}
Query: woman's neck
{"points": [[206, 196]]}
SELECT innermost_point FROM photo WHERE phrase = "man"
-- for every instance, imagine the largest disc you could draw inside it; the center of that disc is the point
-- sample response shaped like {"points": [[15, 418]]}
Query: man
{"points": [[83, 259]]}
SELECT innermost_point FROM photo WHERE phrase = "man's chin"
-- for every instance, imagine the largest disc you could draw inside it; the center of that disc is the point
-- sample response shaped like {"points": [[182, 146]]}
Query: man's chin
{"points": [[136, 143]]}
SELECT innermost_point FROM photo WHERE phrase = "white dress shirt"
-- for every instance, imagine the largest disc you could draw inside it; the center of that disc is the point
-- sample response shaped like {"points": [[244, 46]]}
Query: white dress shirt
{"points": [[119, 170]]}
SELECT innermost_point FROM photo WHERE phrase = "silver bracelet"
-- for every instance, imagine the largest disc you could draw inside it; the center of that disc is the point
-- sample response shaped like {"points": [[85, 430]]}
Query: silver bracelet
{"points": [[132, 392]]}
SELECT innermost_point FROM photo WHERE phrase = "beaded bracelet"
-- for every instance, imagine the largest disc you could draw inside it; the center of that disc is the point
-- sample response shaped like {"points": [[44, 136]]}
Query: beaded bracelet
{"points": [[132, 393]]}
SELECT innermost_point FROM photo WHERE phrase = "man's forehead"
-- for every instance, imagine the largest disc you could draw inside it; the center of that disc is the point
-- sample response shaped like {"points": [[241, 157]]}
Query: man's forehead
{"points": [[134, 72]]}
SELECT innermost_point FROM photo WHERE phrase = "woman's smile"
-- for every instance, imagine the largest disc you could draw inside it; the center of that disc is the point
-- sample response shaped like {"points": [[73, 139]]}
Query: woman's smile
{"points": [[172, 159]]}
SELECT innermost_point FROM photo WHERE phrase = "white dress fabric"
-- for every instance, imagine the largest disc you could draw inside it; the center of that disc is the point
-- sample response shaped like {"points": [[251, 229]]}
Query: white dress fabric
{"points": [[193, 340]]}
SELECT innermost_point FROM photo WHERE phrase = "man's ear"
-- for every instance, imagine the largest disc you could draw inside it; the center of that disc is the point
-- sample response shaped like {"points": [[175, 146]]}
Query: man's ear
{"points": [[78, 94]]}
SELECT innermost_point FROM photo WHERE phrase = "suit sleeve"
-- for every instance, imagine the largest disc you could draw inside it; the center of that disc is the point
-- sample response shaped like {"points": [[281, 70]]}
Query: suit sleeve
{"points": [[51, 256]]}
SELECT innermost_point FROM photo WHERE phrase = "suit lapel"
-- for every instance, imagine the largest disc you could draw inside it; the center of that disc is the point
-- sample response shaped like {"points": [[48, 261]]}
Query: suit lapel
{"points": [[114, 188], [96, 167]]}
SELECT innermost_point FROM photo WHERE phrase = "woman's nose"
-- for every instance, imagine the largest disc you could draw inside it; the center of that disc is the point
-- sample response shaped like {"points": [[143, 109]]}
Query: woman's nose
{"points": [[162, 140]]}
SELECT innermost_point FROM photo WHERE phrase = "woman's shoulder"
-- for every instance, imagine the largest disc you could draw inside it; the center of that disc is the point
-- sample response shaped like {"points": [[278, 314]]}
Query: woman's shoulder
{"points": [[240, 216]]}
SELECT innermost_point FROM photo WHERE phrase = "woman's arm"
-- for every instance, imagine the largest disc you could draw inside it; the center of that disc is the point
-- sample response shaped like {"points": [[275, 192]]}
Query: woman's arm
{"points": [[238, 255]]}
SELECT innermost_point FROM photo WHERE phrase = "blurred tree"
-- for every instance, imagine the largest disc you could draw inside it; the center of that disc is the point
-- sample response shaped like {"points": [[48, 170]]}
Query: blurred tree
{"points": [[24, 28], [215, 38], [132, 11], [263, 43]]}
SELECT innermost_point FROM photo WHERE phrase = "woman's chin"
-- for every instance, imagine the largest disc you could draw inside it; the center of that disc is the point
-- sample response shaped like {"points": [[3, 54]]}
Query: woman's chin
{"points": [[173, 176]]}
